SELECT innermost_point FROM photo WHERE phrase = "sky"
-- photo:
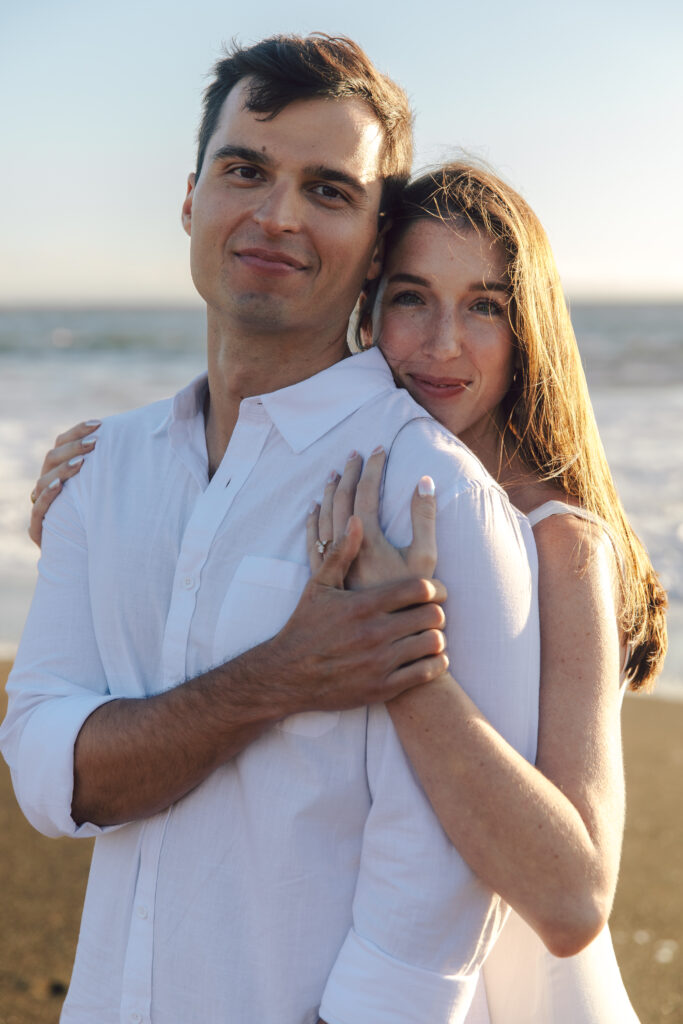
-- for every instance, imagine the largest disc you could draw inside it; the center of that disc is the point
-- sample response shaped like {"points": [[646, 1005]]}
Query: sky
{"points": [[579, 106]]}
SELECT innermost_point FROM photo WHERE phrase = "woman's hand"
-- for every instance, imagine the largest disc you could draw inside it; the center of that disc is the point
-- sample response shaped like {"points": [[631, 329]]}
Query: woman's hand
{"points": [[356, 494], [61, 462]]}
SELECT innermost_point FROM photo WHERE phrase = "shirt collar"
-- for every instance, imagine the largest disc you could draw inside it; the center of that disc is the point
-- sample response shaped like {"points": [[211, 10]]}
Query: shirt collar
{"points": [[305, 411], [186, 405]]}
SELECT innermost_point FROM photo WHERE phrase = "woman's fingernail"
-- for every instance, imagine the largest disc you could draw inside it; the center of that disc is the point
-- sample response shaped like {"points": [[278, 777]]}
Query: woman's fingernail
{"points": [[351, 455], [88, 442], [54, 485], [333, 477], [378, 450], [93, 423], [76, 461], [426, 487]]}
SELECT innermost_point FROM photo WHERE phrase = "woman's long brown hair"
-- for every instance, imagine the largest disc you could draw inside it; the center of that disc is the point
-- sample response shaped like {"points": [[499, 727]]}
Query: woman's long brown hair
{"points": [[547, 416]]}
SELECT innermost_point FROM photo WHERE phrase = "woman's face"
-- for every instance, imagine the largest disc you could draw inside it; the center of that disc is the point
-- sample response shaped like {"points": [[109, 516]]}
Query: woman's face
{"points": [[441, 321]]}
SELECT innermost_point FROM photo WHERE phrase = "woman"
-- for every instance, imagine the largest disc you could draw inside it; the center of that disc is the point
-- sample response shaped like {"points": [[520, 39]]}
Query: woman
{"points": [[469, 313]]}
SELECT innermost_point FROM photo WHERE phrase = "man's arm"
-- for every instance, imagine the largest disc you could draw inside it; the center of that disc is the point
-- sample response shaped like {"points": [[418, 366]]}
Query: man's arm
{"points": [[128, 758], [338, 650]]}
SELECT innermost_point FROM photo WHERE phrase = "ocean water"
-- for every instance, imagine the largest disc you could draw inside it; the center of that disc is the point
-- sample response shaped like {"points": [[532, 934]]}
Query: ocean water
{"points": [[61, 366]]}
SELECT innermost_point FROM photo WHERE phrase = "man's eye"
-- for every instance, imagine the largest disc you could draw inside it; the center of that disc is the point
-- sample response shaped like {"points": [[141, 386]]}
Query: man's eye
{"points": [[328, 191], [246, 172]]}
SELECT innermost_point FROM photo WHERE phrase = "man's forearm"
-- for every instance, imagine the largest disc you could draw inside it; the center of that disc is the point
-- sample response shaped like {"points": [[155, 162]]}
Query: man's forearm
{"points": [[136, 756]]}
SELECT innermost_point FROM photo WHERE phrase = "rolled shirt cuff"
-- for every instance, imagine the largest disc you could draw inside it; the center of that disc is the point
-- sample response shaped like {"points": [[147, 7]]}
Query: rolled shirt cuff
{"points": [[44, 774], [367, 986]]}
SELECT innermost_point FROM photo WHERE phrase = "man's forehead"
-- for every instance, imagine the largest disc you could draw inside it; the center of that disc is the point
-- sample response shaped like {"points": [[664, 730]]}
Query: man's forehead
{"points": [[312, 131]]}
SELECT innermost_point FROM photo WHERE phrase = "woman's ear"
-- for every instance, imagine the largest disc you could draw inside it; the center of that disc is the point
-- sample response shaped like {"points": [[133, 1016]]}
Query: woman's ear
{"points": [[364, 321]]}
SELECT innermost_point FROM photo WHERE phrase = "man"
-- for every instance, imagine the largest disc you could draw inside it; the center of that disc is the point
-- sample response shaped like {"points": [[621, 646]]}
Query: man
{"points": [[264, 854]]}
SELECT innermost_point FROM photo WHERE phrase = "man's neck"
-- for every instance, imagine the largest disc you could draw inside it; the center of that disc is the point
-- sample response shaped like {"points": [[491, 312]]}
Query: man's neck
{"points": [[243, 366]]}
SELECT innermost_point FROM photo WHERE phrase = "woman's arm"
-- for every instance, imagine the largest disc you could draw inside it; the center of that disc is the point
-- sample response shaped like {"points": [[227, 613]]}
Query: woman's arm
{"points": [[547, 838]]}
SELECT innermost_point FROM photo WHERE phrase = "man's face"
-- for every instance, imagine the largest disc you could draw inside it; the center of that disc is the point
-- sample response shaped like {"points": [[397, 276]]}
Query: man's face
{"points": [[283, 217]]}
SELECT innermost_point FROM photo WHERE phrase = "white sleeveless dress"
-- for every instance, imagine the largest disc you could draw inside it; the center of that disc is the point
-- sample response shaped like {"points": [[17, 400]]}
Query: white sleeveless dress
{"points": [[521, 982]]}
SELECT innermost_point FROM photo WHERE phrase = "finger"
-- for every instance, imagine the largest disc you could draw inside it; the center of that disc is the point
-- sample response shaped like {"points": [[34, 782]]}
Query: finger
{"points": [[367, 493], [342, 508], [315, 559], [61, 453], [42, 504], [65, 469], [401, 594], [78, 432], [340, 555], [325, 528], [417, 673], [421, 556], [421, 645], [418, 618]]}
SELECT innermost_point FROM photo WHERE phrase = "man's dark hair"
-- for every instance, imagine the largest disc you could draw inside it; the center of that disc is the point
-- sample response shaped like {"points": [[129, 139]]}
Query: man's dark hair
{"points": [[288, 68]]}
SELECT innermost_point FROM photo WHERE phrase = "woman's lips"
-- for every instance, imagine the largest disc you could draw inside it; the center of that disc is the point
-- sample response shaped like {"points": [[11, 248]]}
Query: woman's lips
{"points": [[440, 387]]}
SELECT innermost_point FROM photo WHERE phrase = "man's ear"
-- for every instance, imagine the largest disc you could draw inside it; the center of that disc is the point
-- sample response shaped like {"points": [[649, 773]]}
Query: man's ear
{"points": [[186, 215], [375, 268]]}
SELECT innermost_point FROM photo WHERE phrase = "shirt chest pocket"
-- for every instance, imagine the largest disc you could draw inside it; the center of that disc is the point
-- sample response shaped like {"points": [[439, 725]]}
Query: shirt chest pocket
{"points": [[261, 597]]}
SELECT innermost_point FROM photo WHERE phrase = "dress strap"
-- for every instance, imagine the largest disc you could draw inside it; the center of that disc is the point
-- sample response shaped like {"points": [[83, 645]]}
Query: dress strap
{"points": [[562, 508]]}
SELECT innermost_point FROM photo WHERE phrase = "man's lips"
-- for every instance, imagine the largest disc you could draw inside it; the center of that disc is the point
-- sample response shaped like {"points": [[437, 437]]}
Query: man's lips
{"points": [[270, 261], [440, 387]]}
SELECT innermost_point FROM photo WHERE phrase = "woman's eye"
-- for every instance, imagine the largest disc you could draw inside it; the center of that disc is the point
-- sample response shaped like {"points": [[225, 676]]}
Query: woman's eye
{"points": [[489, 306], [407, 299]]}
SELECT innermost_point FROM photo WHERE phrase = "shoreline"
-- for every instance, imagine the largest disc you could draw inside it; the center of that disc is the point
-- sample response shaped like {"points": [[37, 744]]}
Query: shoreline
{"points": [[45, 882]]}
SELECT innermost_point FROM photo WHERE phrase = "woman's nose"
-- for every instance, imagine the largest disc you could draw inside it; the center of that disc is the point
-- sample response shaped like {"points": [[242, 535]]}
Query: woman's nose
{"points": [[445, 337]]}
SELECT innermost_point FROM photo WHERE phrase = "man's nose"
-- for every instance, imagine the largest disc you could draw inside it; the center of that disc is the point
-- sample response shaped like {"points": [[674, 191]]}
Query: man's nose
{"points": [[279, 210]]}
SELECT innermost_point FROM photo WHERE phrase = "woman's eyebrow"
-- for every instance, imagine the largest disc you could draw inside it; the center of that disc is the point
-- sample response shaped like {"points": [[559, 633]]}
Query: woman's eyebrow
{"points": [[409, 279], [491, 286]]}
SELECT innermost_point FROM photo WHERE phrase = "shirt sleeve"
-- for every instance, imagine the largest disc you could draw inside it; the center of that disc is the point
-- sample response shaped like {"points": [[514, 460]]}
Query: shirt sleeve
{"points": [[422, 921], [57, 681]]}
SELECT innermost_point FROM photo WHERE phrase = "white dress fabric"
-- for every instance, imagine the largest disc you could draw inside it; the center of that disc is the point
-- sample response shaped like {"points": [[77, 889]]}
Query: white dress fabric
{"points": [[521, 982]]}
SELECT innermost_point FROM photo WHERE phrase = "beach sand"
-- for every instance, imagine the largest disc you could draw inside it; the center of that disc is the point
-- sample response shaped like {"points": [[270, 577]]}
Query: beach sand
{"points": [[44, 882]]}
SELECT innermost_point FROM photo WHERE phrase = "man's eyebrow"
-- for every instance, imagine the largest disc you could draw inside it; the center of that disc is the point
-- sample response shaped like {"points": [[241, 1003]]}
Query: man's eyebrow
{"points": [[251, 156], [337, 177]]}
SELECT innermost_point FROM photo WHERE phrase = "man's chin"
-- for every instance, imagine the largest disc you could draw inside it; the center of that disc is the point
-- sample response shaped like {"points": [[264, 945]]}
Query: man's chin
{"points": [[258, 313]]}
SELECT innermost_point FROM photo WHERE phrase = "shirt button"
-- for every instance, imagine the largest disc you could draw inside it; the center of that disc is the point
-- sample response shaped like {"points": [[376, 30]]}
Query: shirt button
{"points": [[136, 1018], [187, 582], [141, 912]]}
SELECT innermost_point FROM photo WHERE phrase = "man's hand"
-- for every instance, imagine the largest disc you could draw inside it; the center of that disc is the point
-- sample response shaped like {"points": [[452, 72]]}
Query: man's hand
{"points": [[351, 648]]}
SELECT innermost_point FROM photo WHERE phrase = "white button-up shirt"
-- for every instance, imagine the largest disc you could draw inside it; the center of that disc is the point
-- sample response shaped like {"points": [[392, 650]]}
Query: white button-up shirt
{"points": [[309, 874]]}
